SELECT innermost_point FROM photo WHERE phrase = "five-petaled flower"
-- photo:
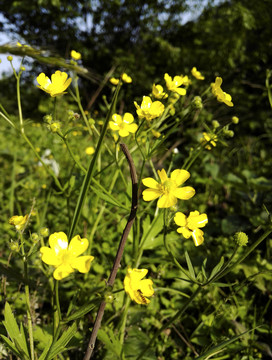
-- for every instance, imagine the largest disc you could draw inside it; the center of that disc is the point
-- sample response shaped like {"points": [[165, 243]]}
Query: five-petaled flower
{"points": [[18, 221], [189, 226], [138, 289], [123, 125], [56, 86], [174, 85], [207, 140], [65, 257], [148, 109], [168, 190], [75, 55], [158, 93], [219, 93], [197, 74]]}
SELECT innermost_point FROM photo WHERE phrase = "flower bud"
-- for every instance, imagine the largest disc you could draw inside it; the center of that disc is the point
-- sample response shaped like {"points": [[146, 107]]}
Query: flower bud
{"points": [[10, 58], [48, 119], [55, 127], [235, 120], [197, 102], [14, 246], [22, 68], [44, 231], [34, 237], [241, 238], [215, 124]]}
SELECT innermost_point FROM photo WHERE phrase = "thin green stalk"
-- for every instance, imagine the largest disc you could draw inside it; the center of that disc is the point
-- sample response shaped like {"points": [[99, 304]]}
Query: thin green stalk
{"points": [[27, 296], [72, 155], [7, 119], [56, 307], [19, 102]]}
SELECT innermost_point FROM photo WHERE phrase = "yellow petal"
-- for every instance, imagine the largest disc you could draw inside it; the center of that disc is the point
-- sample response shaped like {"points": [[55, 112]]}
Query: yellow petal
{"points": [[151, 194], [82, 263], [198, 237], [180, 219], [132, 128], [166, 201], [77, 245], [62, 271], [163, 176], [180, 176], [151, 183], [58, 241], [123, 132], [49, 256], [146, 286], [184, 193], [185, 232]]}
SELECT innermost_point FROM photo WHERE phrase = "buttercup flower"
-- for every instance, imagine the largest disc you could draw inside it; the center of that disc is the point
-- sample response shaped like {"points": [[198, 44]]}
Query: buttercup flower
{"points": [[189, 226], [127, 79], [168, 190], [75, 55], [207, 140], [123, 125], [56, 86], [174, 85], [219, 93], [114, 81], [18, 221], [148, 109], [158, 93], [136, 288], [89, 150], [65, 257], [197, 74]]}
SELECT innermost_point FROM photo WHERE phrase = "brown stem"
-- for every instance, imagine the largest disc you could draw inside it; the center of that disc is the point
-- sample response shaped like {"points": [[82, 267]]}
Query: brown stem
{"points": [[116, 265]]}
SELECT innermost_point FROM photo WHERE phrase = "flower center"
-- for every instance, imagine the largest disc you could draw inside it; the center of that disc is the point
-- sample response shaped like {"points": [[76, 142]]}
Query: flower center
{"points": [[168, 185], [65, 257]]}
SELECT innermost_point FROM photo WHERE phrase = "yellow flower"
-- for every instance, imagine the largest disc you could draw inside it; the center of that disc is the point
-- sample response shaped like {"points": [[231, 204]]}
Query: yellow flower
{"points": [[56, 86], [65, 258], [219, 93], [18, 221], [149, 109], [90, 150], [186, 81], [136, 288], [197, 74], [158, 93], [207, 140], [168, 190], [123, 125], [174, 85], [114, 81], [75, 55], [127, 79], [189, 226]]}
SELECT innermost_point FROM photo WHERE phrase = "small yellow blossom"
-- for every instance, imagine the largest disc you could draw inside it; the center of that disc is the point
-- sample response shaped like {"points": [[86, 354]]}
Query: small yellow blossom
{"points": [[149, 109], [127, 79], [189, 226], [65, 257], [75, 55], [157, 134], [136, 288], [56, 86], [90, 150], [174, 85], [219, 93], [186, 81], [123, 125], [197, 74], [158, 93], [207, 140], [168, 190], [114, 81], [18, 221]]}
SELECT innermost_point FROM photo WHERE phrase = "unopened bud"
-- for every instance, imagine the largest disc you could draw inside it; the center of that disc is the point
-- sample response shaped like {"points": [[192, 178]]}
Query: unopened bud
{"points": [[241, 238]]}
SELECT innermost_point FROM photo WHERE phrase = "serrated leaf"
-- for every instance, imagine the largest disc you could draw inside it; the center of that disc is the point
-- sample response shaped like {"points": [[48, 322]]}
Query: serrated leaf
{"points": [[80, 312], [217, 268], [59, 346], [10, 345], [111, 341], [190, 265]]}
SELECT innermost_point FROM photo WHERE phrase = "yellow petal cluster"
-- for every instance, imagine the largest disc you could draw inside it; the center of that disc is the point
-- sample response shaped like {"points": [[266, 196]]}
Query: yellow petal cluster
{"points": [[75, 55], [219, 93], [148, 109], [136, 288], [65, 257], [158, 93], [168, 190], [89, 150], [189, 226], [197, 74], [174, 84], [56, 86], [114, 81], [124, 125], [18, 221], [127, 79], [207, 140]]}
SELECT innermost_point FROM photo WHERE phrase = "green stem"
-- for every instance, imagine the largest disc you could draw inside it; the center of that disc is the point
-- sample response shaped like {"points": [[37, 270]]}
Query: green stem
{"points": [[56, 307], [19, 102], [7, 119]]}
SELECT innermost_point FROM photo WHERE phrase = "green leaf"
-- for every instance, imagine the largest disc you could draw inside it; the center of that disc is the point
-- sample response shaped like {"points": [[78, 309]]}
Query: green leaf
{"points": [[217, 268], [190, 265], [59, 346], [108, 198], [10, 345], [13, 330], [111, 341], [80, 312], [151, 231]]}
